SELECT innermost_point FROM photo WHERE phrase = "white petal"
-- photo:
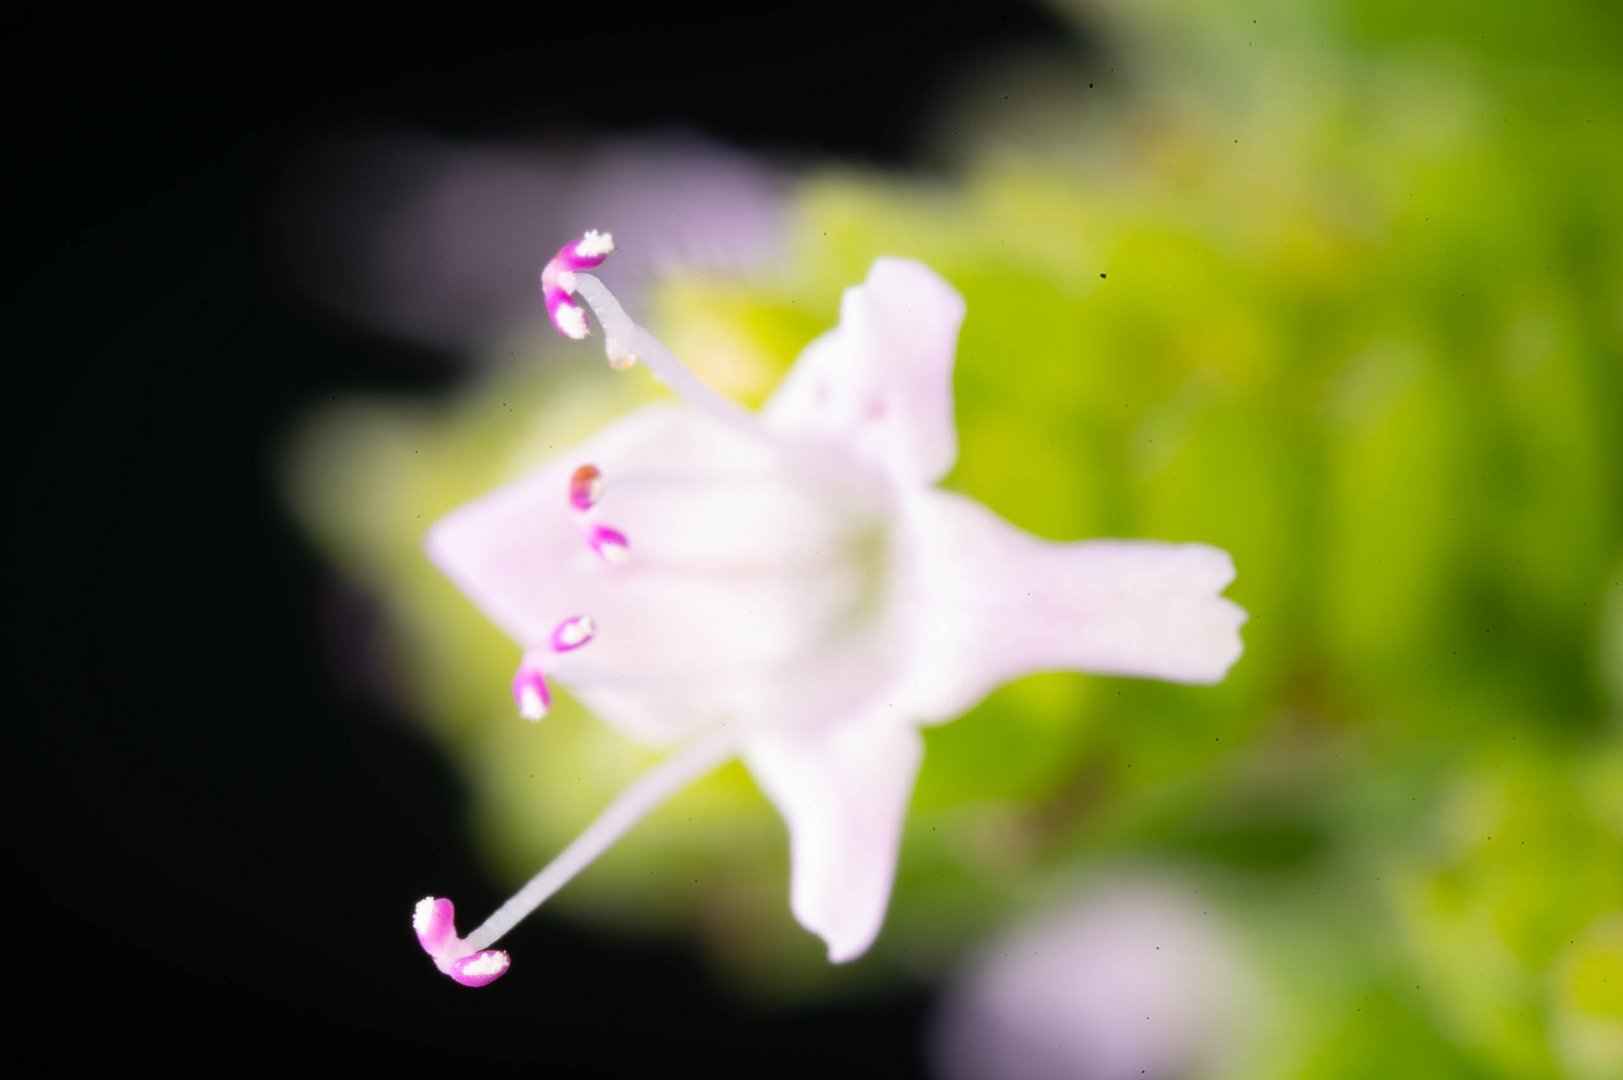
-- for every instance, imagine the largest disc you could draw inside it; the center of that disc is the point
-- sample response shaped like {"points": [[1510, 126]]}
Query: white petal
{"points": [[843, 791], [741, 596], [882, 380], [995, 603]]}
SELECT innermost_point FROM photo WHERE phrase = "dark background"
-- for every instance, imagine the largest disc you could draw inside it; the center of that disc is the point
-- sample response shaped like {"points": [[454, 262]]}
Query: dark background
{"points": [[215, 844]]}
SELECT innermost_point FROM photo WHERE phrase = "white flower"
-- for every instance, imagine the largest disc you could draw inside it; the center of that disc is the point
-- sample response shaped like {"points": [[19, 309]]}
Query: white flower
{"points": [[792, 589]]}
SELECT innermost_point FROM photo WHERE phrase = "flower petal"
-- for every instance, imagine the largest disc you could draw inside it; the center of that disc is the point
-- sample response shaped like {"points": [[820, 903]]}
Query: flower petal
{"points": [[882, 380], [843, 791], [995, 603]]}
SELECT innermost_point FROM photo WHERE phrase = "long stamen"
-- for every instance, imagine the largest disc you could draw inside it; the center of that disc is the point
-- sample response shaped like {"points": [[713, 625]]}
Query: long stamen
{"points": [[435, 922], [610, 544], [624, 342], [558, 280], [645, 793]]}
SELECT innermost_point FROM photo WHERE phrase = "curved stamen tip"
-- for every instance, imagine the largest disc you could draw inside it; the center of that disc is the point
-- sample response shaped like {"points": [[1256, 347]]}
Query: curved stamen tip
{"points": [[530, 691], [558, 280], [585, 487], [573, 632], [434, 919], [481, 968]]}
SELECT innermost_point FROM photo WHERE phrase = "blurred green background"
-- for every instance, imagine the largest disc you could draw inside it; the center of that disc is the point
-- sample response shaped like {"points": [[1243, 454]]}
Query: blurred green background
{"points": [[1337, 287]]}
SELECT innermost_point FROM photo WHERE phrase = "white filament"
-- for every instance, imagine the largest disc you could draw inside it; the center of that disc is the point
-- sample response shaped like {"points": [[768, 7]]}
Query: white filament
{"points": [[645, 793], [577, 630], [624, 343]]}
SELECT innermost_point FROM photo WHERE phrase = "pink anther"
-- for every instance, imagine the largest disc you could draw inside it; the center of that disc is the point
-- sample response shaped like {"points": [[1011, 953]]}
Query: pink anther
{"points": [[610, 544], [558, 280], [530, 690], [480, 968], [587, 253], [585, 487], [572, 633], [435, 922]]}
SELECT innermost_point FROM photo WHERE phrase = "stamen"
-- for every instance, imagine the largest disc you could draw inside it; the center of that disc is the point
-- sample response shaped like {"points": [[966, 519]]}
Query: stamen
{"points": [[585, 487], [530, 690], [610, 544], [645, 793], [572, 633], [624, 342], [435, 922], [558, 281]]}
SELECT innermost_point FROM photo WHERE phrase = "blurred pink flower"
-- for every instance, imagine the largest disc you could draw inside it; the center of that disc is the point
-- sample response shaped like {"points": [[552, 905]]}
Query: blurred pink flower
{"points": [[793, 589], [1131, 979]]}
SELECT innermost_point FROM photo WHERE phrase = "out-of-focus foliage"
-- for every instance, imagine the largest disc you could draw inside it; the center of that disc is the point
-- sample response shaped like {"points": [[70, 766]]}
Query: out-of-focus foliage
{"points": [[1335, 286]]}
